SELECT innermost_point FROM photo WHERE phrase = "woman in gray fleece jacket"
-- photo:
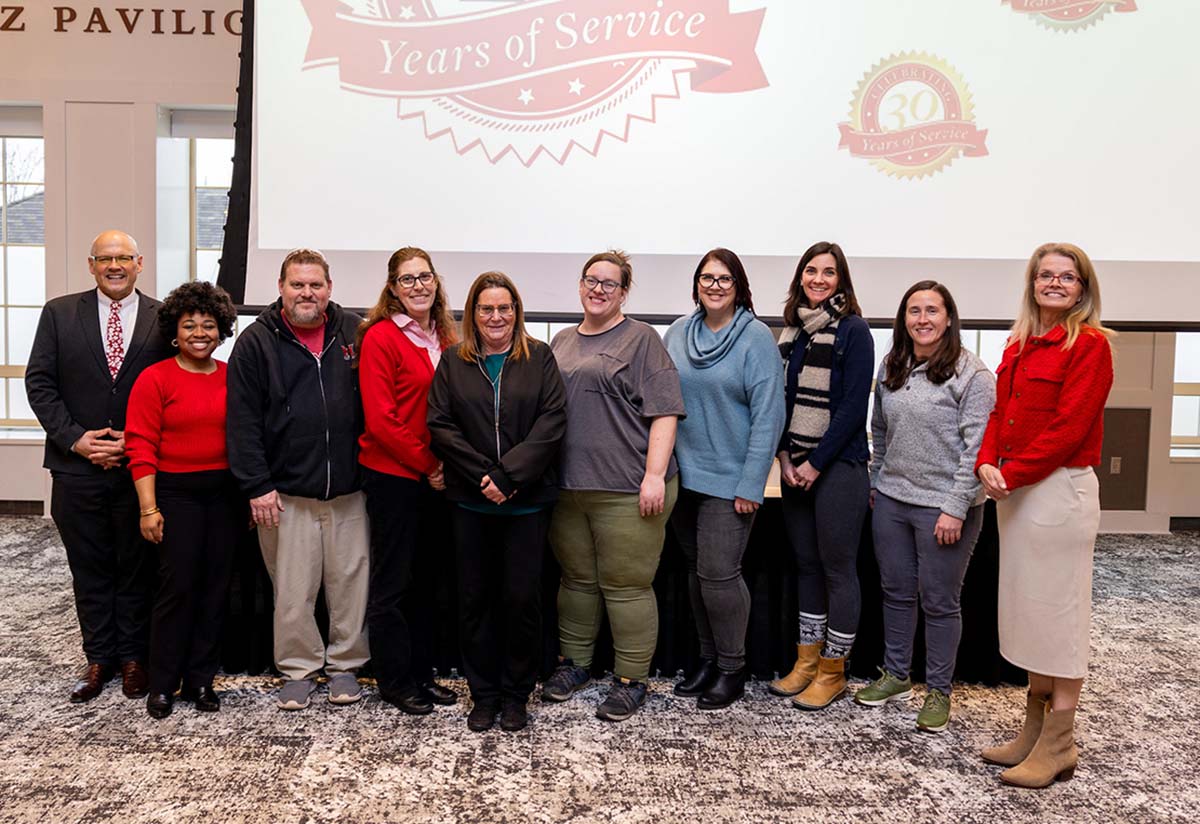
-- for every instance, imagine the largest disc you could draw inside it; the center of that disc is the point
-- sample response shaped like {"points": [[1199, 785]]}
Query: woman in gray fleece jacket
{"points": [[932, 401]]}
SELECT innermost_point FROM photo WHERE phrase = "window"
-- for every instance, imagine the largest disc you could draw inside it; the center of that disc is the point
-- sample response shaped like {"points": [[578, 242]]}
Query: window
{"points": [[22, 267], [1185, 407], [212, 175]]}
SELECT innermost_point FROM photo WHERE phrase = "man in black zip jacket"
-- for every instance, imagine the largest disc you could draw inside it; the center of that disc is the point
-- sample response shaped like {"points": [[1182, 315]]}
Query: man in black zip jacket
{"points": [[293, 424]]}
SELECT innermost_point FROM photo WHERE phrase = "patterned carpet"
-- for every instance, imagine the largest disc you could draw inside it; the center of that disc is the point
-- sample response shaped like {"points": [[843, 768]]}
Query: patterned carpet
{"points": [[760, 761]]}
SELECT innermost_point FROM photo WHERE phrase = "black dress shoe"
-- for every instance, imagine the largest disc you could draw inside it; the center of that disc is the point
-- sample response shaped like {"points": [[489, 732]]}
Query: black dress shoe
{"points": [[413, 704], [438, 694], [134, 681], [514, 716], [205, 698], [482, 716], [700, 680], [91, 683], [159, 705], [729, 687]]}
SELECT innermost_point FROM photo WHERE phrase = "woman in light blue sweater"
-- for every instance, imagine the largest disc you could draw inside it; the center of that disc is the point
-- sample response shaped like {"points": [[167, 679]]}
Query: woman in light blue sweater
{"points": [[733, 391]]}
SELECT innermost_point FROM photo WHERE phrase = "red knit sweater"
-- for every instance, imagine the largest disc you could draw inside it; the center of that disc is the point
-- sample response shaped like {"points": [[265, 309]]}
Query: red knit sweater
{"points": [[1049, 407], [176, 421], [394, 375]]}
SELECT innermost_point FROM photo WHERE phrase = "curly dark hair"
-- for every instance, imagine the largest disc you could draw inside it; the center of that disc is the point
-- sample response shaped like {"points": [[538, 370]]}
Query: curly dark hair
{"points": [[197, 297]]}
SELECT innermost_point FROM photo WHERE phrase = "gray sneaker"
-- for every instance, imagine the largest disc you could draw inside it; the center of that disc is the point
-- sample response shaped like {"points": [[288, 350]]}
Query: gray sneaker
{"points": [[886, 687], [344, 689], [567, 680], [623, 700], [295, 695]]}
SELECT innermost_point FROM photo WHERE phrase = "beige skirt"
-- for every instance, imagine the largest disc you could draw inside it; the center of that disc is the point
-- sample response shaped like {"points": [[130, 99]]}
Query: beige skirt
{"points": [[1047, 537]]}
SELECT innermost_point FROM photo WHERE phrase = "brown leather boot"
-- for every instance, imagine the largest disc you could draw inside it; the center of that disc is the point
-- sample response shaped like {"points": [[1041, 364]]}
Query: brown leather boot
{"points": [[829, 684], [803, 672], [1015, 751], [1053, 757]]}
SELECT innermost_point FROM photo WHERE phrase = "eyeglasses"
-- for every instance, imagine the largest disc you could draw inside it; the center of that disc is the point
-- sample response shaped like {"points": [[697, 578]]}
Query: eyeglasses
{"points": [[504, 310], [1068, 279], [607, 286], [409, 281], [109, 260], [721, 282]]}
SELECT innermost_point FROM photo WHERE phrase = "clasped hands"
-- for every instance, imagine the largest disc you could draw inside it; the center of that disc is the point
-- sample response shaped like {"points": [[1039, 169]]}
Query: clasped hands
{"points": [[103, 447]]}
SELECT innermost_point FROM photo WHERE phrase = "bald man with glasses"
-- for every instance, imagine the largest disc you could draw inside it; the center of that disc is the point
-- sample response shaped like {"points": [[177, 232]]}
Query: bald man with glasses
{"points": [[89, 349]]}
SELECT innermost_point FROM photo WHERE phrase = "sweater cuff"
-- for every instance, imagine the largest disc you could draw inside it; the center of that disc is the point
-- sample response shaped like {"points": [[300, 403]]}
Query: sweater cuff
{"points": [[751, 490], [956, 507]]}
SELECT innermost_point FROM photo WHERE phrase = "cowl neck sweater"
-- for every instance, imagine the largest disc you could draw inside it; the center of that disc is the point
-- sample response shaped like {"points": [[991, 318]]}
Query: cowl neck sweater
{"points": [[707, 348]]}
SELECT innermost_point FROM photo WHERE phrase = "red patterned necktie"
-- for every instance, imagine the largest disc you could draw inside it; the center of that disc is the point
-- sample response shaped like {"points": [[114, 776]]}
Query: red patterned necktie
{"points": [[114, 342]]}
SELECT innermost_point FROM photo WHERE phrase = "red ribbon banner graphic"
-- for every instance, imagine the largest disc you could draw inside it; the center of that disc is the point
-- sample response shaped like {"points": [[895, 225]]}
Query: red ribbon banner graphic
{"points": [[464, 53], [928, 137]]}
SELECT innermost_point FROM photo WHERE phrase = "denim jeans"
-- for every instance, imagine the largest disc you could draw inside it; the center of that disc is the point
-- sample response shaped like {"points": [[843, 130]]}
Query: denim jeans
{"points": [[912, 564], [713, 538]]}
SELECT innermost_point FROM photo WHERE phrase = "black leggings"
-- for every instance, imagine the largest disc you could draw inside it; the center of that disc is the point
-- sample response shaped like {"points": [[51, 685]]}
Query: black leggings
{"points": [[824, 526]]}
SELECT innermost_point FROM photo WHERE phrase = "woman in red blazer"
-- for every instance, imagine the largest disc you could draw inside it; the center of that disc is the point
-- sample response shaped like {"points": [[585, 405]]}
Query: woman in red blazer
{"points": [[1042, 440], [400, 344]]}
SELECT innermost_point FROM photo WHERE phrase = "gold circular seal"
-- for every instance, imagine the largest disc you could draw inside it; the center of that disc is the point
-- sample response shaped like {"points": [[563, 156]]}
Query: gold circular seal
{"points": [[912, 115]]}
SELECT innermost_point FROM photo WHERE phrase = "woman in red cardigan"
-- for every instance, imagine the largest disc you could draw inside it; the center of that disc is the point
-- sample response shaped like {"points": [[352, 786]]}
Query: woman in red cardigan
{"points": [[400, 344], [1042, 440], [190, 505]]}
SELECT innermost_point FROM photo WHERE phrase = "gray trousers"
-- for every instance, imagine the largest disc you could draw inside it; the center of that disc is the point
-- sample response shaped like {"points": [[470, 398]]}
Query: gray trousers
{"points": [[912, 565], [713, 538]]}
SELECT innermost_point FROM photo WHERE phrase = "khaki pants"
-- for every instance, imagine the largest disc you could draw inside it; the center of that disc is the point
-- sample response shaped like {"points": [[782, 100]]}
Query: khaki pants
{"points": [[319, 542]]}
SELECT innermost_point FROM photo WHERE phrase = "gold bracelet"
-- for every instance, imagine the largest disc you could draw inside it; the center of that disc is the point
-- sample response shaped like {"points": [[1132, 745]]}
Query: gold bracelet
{"points": [[149, 511]]}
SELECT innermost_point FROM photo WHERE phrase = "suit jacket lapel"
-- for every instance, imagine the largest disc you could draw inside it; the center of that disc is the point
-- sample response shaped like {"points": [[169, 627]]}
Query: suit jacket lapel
{"points": [[146, 320], [89, 321]]}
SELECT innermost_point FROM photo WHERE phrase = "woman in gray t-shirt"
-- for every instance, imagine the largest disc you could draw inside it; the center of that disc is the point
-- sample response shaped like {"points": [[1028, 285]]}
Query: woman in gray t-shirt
{"points": [[619, 485]]}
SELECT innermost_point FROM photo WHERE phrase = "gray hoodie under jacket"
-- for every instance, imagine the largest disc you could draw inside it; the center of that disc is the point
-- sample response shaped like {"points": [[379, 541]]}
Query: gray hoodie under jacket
{"points": [[925, 437]]}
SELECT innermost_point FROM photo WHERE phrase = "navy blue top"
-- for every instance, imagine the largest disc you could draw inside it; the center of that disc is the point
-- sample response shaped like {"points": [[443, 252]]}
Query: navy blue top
{"points": [[849, 392]]}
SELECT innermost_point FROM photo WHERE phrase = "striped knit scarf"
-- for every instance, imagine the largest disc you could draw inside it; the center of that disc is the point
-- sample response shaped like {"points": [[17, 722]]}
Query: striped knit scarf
{"points": [[810, 412]]}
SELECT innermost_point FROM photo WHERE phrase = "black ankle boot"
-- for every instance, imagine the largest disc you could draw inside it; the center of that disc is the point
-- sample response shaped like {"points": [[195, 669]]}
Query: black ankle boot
{"points": [[729, 687], [700, 680]]}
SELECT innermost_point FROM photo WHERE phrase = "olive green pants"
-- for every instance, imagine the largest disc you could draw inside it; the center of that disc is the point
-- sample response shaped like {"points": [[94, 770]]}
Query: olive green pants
{"points": [[609, 555]]}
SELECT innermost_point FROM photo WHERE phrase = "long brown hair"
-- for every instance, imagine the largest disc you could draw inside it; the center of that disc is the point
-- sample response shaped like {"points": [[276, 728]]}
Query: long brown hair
{"points": [[1085, 314], [943, 363], [471, 349], [796, 298], [388, 304]]}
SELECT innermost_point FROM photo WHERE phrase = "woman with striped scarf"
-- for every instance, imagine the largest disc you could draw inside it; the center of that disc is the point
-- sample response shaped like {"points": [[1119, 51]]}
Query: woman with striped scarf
{"points": [[828, 359]]}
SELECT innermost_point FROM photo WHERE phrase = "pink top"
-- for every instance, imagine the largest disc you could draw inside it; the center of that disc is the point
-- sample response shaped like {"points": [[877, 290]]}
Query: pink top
{"points": [[424, 340]]}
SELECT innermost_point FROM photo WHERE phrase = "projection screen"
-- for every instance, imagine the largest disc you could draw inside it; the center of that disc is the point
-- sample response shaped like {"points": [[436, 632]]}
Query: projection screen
{"points": [[940, 138]]}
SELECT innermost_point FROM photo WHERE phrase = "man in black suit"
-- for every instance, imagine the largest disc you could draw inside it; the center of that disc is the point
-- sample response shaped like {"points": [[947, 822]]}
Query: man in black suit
{"points": [[88, 351]]}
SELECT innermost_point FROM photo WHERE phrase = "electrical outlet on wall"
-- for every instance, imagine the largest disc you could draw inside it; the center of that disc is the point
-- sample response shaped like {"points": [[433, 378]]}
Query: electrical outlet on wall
{"points": [[1114, 466]]}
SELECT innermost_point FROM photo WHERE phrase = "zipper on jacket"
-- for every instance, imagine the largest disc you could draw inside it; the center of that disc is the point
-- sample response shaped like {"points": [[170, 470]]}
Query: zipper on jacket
{"points": [[324, 407], [495, 400]]}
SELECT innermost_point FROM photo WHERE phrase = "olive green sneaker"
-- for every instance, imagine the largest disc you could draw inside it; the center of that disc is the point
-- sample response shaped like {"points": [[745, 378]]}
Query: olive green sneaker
{"points": [[885, 688], [935, 713]]}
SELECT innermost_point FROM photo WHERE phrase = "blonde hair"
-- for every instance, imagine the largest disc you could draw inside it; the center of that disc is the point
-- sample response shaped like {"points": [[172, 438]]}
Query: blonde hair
{"points": [[389, 305], [1083, 315], [470, 349]]}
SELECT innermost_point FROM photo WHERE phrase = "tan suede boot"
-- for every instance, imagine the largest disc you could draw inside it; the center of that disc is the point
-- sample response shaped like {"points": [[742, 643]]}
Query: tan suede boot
{"points": [[1015, 751], [829, 684], [802, 674], [1053, 757]]}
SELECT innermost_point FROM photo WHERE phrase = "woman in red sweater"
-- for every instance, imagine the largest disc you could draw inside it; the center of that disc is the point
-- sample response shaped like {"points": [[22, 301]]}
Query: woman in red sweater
{"points": [[1042, 440], [400, 344], [175, 437]]}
